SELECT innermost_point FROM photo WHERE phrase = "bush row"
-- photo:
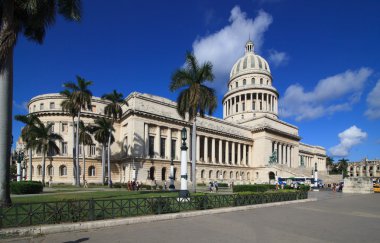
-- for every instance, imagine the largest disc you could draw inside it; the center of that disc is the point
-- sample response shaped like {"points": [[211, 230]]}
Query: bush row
{"points": [[265, 187], [26, 187]]}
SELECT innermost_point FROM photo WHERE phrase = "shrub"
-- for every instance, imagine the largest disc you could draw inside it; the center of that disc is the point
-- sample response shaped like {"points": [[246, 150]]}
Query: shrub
{"points": [[26, 187], [117, 185], [222, 185], [146, 187], [253, 188], [201, 184], [304, 188], [160, 205]]}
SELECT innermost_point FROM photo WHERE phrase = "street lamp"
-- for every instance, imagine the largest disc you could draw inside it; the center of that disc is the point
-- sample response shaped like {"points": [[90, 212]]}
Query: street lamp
{"points": [[19, 157], [184, 193], [171, 177]]}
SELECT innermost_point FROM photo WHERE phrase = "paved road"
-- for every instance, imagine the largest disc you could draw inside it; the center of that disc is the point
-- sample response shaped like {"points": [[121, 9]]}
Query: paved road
{"points": [[335, 217]]}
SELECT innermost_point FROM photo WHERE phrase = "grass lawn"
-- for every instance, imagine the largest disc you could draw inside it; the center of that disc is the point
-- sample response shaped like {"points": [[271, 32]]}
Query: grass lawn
{"points": [[86, 195]]}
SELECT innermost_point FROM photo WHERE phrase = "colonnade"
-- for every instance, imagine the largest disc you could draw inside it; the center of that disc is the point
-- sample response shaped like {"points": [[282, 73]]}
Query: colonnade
{"points": [[285, 153], [307, 161], [363, 170], [257, 101], [212, 150]]}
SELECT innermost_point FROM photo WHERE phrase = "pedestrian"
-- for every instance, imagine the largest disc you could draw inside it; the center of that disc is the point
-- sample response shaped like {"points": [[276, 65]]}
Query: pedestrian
{"points": [[50, 181], [276, 186], [282, 186], [216, 186], [210, 186], [85, 184]]}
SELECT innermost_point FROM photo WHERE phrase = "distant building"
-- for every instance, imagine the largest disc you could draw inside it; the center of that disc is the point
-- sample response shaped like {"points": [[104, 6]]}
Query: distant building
{"points": [[366, 167], [249, 145]]}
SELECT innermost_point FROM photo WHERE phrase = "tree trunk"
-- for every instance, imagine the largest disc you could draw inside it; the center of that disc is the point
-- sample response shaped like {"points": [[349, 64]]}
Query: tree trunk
{"points": [[84, 164], [103, 162], [109, 159], [6, 99], [30, 164], [43, 167], [74, 156], [193, 154], [77, 154]]}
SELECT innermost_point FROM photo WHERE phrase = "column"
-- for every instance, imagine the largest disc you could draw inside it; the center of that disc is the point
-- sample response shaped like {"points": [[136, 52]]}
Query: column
{"points": [[233, 153], [227, 152], [353, 171], [238, 154], [367, 170], [250, 157], [374, 169], [169, 143], [280, 153], [198, 148], [287, 154], [213, 155], [146, 138], [290, 156], [205, 149], [157, 142], [244, 154], [220, 151], [188, 142]]}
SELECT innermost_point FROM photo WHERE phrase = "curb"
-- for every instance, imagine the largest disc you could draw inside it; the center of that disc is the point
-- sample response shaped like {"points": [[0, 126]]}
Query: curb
{"points": [[82, 226]]}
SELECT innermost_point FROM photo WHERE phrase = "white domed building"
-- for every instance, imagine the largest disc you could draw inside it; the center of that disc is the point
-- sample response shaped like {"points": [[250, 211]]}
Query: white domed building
{"points": [[249, 145]]}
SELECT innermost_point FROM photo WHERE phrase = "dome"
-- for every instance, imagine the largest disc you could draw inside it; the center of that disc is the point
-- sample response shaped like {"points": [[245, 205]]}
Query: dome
{"points": [[250, 62]]}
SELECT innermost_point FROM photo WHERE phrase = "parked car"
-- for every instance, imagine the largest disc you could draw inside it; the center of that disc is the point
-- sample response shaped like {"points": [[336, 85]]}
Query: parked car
{"points": [[376, 188]]}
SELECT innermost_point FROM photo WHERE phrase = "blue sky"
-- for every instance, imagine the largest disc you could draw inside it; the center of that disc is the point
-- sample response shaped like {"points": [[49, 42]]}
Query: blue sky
{"points": [[323, 57]]}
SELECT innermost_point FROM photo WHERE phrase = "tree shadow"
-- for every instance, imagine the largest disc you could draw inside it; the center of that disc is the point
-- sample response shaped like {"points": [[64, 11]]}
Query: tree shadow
{"points": [[78, 240]]}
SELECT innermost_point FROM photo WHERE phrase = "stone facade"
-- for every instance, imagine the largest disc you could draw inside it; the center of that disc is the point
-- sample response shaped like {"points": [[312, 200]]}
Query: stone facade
{"points": [[235, 149], [364, 168]]}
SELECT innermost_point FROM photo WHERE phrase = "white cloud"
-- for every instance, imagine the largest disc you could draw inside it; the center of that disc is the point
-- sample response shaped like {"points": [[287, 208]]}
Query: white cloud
{"points": [[373, 101], [21, 107], [225, 46], [278, 58], [348, 138], [332, 94]]}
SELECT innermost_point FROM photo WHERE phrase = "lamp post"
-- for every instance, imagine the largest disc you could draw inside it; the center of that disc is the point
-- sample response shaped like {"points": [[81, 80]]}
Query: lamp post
{"points": [[19, 158], [316, 176], [184, 193], [171, 177]]}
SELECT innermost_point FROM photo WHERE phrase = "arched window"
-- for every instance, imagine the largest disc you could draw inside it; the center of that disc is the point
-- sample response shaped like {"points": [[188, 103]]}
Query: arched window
{"points": [[217, 174], [39, 170], [63, 170], [163, 174], [236, 84], [237, 175], [91, 170], [253, 80], [50, 170], [151, 173], [248, 176], [224, 174], [210, 174], [231, 175], [261, 81], [243, 175], [244, 82], [202, 174]]}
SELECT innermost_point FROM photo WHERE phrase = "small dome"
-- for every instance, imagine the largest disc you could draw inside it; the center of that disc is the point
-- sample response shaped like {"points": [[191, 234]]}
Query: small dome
{"points": [[249, 62]]}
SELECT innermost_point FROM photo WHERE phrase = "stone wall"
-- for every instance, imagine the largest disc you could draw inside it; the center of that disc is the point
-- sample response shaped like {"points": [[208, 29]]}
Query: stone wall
{"points": [[362, 185]]}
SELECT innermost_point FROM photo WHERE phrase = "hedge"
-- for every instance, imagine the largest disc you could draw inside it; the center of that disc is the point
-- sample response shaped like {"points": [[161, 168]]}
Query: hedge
{"points": [[26, 187], [253, 188]]}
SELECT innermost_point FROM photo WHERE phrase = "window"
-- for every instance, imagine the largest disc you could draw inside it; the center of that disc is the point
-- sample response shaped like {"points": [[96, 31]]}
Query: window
{"points": [[92, 150], [50, 170], [261, 81], [202, 174], [63, 170], [236, 84], [174, 146], [91, 170], [41, 106], [243, 106], [253, 105], [52, 126], [64, 148], [237, 108], [39, 170], [244, 82], [52, 105], [52, 151], [34, 108], [261, 106], [151, 146], [64, 127], [80, 149], [163, 147], [253, 80]]}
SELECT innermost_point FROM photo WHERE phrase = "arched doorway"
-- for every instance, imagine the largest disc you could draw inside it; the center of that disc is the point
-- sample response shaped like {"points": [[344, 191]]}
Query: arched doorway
{"points": [[163, 174], [151, 173], [272, 177]]}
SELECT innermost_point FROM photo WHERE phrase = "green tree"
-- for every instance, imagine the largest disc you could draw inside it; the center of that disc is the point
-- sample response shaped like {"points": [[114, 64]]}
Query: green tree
{"points": [[81, 98], [102, 130], [68, 106], [194, 97], [342, 167], [44, 142], [85, 139], [114, 111], [329, 163], [30, 18]]}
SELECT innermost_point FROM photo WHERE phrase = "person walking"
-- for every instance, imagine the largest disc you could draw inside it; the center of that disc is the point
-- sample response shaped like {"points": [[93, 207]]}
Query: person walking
{"points": [[216, 186]]}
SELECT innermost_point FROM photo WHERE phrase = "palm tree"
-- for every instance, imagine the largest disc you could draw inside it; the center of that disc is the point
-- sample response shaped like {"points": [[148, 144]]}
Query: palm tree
{"points": [[69, 107], [29, 121], [44, 141], [102, 133], [81, 99], [194, 96], [85, 139], [31, 18], [115, 111]]}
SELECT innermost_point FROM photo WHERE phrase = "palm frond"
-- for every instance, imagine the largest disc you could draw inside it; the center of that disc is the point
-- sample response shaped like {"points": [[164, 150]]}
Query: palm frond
{"points": [[70, 9]]}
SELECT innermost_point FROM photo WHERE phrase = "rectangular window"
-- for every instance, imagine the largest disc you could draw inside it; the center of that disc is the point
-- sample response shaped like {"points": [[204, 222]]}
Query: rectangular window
{"points": [[41, 106], [64, 148], [52, 127], [163, 147], [243, 106], [64, 127], [173, 148], [253, 106], [151, 146], [237, 108], [52, 105], [92, 150]]}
